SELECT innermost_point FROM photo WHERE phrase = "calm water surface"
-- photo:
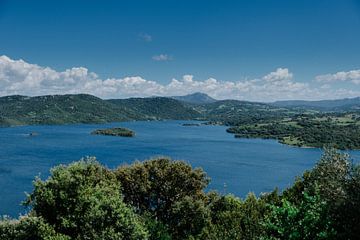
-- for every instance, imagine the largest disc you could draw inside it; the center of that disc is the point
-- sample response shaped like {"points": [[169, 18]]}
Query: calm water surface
{"points": [[234, 165]]}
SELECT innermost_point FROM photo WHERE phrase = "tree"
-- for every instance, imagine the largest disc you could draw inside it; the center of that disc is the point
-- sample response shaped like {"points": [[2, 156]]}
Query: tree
{"points": [[335, 180], [330, 176], [307, 221], [28, 228], [188, 218], [155, 185], [232, 218], [83, 200]]}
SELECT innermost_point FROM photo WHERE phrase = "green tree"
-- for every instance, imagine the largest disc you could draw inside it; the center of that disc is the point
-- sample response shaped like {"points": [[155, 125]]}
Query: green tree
{"points": [[337, 182], [348, 215], [307, 221], [28, 228], [82, 200], [232, 218], [188, 218], [157, 230], [330, 177], [155, 185]]}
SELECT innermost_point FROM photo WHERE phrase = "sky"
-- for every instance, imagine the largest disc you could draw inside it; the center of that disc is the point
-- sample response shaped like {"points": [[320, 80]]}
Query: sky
{"points": [[248, 50]]}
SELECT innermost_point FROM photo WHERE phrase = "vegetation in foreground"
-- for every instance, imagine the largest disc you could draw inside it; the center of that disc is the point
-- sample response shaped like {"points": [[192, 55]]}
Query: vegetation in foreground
{"points": [[165, 199], [119, 131]]}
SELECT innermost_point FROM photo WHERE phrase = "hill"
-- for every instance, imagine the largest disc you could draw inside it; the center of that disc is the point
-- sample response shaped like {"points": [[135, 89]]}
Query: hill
{"points": [[157, 108], [60, 109], [195, 98], [233, 112], [345, 104], [297, 126], [83, 108]]}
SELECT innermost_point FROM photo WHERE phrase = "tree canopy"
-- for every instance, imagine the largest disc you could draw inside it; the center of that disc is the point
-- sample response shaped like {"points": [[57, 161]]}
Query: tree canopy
{"points": [[165, 199]]}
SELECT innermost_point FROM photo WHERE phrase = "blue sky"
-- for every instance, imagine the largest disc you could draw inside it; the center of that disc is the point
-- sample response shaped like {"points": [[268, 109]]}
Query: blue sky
{"points": [[239, 42]]}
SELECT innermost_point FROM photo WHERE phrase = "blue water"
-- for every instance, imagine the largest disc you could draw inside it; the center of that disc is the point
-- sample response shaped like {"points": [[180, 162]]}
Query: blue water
{"points": [[235, 165]]}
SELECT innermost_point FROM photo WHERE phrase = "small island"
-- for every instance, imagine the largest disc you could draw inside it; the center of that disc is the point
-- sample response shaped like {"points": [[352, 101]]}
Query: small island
{"points": [[191, 124], [118, 131]]}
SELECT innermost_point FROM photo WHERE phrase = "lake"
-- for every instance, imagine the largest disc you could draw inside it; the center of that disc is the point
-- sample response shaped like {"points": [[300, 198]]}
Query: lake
{"points": [[235, 166]]}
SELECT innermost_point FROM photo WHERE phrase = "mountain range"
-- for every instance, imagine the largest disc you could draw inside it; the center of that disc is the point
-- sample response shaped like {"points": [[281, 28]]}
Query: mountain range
{"points": [[84, 108], [323, 105]]}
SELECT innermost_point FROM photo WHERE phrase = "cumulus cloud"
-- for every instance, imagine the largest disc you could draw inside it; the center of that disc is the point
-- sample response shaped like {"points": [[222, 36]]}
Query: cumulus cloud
{"points": [[351, 76], [162, 57], [280, 74], [20, 77]]}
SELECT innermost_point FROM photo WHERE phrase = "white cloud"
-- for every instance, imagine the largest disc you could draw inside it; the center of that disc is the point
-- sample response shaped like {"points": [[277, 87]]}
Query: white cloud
{"points": [[145, 37], [162, 57], [20, 77], [352, 76], [281, 74]]}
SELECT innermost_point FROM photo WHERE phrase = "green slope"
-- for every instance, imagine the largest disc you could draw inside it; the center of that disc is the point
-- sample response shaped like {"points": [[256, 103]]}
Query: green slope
{"points": [[83, 108], [59, 109], [158, 108]]}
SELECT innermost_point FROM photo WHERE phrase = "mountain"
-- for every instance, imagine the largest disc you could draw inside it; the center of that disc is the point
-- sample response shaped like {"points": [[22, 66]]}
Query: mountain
{"points": [[195, 98], [157, 108], [345, 104], [83, 108]]}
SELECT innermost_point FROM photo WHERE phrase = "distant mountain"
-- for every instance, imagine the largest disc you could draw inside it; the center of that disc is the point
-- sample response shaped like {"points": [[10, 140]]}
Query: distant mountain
{"points": [[345, 104], [195, 98]]}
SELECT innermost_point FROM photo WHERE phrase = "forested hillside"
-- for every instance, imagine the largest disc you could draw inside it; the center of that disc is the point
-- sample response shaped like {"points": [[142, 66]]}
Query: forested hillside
{"points": [[83, 108], [60, 109], [158, 108]]}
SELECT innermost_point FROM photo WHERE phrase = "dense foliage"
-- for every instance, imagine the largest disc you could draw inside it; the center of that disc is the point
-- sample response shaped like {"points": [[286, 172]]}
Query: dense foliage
{"points": [[83, 201], [165, 199]]}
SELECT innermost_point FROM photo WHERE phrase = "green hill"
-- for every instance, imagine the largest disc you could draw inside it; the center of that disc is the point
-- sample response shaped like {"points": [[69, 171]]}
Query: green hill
{"points": [[59, 109], [157, 108], [233, 112], [83, 108]]}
